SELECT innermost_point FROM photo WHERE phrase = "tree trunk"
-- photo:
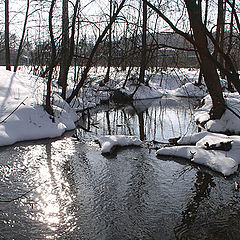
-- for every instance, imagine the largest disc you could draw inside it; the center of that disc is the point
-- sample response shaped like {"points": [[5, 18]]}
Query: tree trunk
{"points": [[209, 69], [222, 9], [229, 47], [7, 47], [144, 44], [106, 79], [48, 106], [62, 81], [22, 39], [90, 59]]}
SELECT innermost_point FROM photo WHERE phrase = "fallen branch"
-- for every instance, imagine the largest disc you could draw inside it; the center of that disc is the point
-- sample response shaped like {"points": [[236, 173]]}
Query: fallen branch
{"points": [[22, 195], [14, 110], [232, 111], [225, 146]]}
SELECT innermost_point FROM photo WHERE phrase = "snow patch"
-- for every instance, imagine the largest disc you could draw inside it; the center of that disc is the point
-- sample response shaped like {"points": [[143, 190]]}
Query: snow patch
{"points": [[108, 143], [21, 115], [225, 162], [229, 122]]}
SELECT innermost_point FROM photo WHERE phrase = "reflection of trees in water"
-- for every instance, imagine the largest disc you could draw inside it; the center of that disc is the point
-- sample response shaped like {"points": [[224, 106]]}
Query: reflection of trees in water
{"points": [[204, 184], [137, 199], [149, 119], [108, 122], [220, 221]]}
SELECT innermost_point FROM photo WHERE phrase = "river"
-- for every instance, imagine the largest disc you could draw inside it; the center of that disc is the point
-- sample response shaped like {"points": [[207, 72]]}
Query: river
{"points": [[65, 189]]}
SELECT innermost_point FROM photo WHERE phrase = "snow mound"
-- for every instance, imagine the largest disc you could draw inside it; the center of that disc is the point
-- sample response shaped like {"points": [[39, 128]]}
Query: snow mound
{"points": [[142, 92], [21, 115], [229, 121], [145, 92], [108, 143], [188, 90], [207, 151]]}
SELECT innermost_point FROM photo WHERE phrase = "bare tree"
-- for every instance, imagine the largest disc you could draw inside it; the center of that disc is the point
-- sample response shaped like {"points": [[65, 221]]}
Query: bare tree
{"points": [[68, 45], [93, 52], [7, 47], [199, 40], [22, 38], [106, 79], [143, 65], [53, 61], [208, 66], [62, 81]]}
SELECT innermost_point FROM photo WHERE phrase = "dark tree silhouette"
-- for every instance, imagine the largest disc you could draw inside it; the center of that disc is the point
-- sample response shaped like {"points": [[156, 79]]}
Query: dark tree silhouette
{"points": [[7, 47]]}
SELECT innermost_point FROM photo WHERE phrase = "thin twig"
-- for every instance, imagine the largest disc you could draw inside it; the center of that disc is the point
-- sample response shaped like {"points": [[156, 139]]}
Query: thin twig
{"points": [[231, 110], [13, 111], [22, 195]]}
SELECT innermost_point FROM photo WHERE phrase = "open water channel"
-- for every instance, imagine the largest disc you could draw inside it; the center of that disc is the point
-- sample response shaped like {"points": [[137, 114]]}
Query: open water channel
{"points": [[65, 189]]}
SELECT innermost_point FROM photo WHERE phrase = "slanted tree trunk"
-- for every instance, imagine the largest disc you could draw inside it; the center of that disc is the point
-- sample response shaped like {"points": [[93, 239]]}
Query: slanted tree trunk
{"points": [[22, 38], [209, 69], [210, 64], [90, 59], [200, 77], [7, 47], [106, 79], [53, 62]]}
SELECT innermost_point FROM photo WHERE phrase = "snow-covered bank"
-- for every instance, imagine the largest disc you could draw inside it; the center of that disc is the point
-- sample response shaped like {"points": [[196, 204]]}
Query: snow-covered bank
{"points": [[229, 122], [109, 143], [216, 151], [211, 148], [22, 117]]}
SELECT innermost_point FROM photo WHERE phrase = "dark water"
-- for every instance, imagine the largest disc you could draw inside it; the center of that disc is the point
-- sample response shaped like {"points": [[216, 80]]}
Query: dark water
{"points": [[65, 188], [158, 119]]}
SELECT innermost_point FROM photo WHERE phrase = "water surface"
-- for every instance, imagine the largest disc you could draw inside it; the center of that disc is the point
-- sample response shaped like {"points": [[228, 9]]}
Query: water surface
{"points": [[65, 189]]}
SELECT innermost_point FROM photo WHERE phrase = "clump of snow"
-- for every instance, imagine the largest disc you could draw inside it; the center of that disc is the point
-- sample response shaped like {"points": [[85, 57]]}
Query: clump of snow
{"points": [[142, 92], [229, 121], [188, 90], [193, 139], [21, 115], [146, 92], [108, 143], [225, 162], [171, 78]]}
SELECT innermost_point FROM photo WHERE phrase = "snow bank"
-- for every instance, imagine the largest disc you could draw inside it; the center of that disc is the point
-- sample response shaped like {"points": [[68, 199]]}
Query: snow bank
{"points": [[142, 92], [108, 143], [145, 92], [188, 90], [171, 78], [21, 115], [229, 121], [207, 151]]}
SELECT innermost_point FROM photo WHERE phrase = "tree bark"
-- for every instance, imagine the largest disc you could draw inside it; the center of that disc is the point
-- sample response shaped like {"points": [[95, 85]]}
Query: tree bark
{"points": [[229, 46], [90, 59], [144, 44], [209, 69], [106, 79], [53, 62], [7, 47], [234, 13], [22, 38], [62, 81]]}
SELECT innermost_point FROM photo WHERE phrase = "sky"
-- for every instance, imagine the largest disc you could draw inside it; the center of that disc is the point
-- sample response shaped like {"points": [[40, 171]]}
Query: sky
{"points": [[91, 10]]}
